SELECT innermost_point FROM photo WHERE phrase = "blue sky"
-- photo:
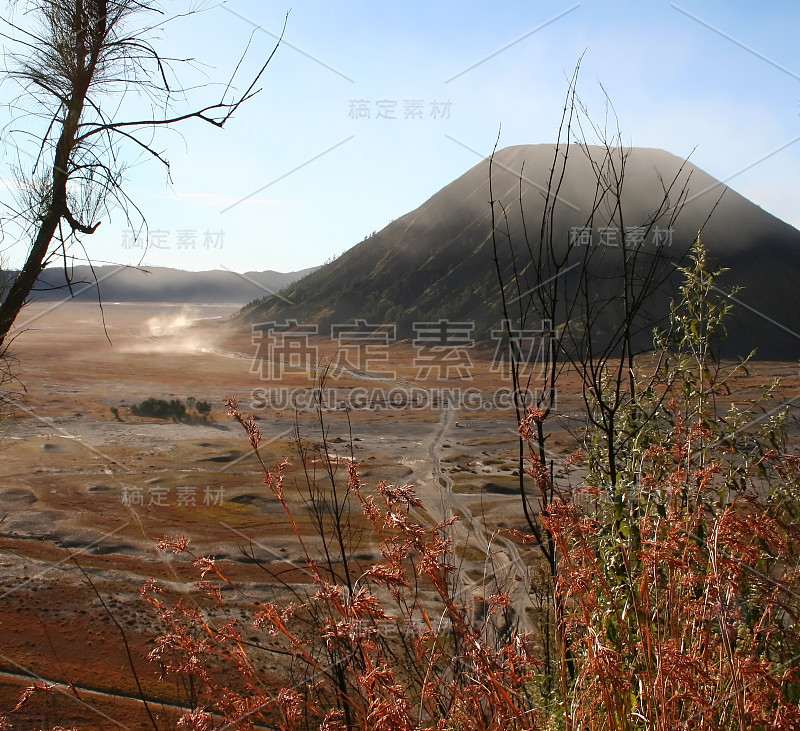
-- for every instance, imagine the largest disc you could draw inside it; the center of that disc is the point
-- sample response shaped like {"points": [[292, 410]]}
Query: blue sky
{"points": [[298, 176]]}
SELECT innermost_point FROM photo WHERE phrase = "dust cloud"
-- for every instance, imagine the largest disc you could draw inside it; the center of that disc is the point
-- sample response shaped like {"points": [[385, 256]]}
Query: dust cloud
{"points": [[183, 332]]}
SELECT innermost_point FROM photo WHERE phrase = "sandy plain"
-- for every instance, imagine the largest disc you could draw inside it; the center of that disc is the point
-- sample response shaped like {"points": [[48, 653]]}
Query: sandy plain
{"points": [[86, 493]]}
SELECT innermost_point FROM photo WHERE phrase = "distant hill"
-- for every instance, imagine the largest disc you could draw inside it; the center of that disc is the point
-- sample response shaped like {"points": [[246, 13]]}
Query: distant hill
{"points": [[437, 261], [161, 284]]}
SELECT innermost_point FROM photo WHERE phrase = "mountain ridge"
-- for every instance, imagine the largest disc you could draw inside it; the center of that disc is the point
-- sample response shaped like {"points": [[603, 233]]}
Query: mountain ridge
{"points": [[113, 283], [437, 261]]}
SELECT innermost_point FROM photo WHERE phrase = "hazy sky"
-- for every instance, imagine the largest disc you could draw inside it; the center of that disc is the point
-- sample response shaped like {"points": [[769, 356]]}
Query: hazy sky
{"points": [[369, 108]]}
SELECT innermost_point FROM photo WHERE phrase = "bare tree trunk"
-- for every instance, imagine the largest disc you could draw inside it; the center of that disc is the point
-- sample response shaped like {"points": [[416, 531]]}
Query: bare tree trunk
{"points": [[65, 69]]}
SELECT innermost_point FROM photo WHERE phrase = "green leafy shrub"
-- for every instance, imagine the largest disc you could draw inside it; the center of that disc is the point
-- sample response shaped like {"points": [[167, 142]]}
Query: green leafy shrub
{"points": [[679, 581], [160, 409]]}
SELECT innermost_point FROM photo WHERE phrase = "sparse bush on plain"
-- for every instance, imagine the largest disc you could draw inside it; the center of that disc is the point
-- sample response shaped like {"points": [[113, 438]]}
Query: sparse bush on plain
{"points": [[175, 409], [156, 408]]}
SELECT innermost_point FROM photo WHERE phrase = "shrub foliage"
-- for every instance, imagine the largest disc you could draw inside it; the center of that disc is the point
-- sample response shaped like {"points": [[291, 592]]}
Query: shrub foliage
{"points": [[156, 408]]}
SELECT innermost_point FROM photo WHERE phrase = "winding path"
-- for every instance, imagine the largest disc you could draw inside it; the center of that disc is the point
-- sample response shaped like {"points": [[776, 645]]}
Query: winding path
{"points": [[503, 569]]}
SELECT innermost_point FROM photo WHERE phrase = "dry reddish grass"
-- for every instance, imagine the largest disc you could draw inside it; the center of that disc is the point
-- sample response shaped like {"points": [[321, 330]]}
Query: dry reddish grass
{"points": [[69, 494]]}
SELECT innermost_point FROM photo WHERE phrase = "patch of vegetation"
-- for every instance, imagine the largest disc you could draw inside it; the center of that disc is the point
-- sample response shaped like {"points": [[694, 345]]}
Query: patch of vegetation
{"points": [[157, 408], [175, 409]]}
